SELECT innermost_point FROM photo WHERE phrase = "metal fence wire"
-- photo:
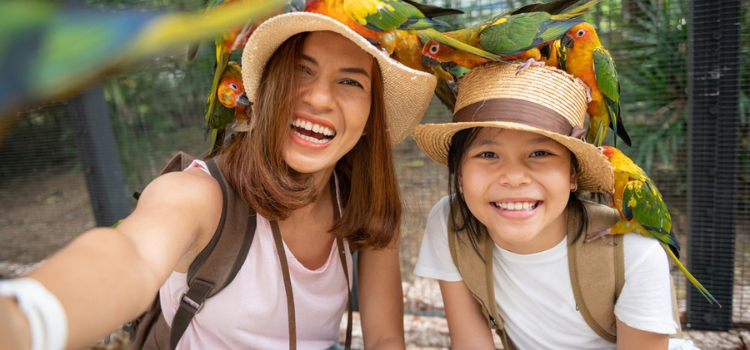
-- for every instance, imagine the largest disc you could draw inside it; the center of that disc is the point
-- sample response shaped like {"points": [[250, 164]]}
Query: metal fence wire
{"points": [[694, 146]]}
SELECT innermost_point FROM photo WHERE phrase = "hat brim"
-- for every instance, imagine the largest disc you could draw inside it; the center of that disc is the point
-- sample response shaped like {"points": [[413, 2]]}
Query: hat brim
{"points": [[406, 92], [594, 170]]}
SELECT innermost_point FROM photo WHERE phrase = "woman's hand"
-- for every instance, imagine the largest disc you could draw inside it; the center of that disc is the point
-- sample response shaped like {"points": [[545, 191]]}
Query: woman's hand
{"points": [[14, 333]]}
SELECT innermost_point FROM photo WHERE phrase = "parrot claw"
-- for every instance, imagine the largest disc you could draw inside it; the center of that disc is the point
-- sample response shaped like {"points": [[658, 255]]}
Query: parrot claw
{"points": [[588, 90], [529, 62], [601, 234]]}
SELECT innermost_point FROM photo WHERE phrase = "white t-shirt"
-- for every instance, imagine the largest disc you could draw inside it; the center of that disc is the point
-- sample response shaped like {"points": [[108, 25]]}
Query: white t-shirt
{"points": [[533, 291]]}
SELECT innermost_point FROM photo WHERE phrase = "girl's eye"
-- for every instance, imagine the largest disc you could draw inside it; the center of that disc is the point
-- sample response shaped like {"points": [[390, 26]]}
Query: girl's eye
{"points": [[487, 155], [539, 153], [352, 82]]}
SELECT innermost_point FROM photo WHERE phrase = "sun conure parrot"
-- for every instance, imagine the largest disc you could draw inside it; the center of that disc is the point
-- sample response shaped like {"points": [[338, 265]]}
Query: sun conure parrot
{"points": [[47, 50], [643, 211], [233, 102], [502, 38], [586, 59]]}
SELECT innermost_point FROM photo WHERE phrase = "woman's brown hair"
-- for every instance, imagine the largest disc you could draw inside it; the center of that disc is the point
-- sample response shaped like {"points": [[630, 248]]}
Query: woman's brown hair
{"points": [[254, 165]]}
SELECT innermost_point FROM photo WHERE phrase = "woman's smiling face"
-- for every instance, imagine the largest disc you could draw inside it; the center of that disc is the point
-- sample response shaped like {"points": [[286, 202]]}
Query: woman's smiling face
{"points": [[517, 183], [331, 104]]}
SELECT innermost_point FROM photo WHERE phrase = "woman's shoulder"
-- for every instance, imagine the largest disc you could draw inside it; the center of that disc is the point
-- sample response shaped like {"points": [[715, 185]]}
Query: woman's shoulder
{"points": [[189, 189]]}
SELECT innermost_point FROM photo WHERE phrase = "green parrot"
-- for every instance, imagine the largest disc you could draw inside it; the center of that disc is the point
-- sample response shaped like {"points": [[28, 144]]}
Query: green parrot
{"points": [[643, 210], [501, 38], [50, 51], [233, 103]]}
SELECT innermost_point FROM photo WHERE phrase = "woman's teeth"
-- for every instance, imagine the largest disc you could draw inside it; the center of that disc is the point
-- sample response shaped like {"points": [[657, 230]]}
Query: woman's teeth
{"points": [[516, 205], [315, 128]]}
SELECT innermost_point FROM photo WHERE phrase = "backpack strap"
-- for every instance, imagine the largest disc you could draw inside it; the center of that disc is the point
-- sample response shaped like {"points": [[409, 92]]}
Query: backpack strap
{"points": [[291, 314], [480, 281], [477, 272], [597, 271], [210, 273]]}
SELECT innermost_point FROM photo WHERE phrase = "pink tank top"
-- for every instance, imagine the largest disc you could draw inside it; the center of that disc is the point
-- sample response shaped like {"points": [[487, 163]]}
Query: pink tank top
{"points": [[251, 312]]}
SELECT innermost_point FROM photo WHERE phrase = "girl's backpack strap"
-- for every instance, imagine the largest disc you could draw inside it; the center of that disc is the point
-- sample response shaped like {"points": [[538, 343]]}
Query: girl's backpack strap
{"points": [[476, 271], [597, 271]]}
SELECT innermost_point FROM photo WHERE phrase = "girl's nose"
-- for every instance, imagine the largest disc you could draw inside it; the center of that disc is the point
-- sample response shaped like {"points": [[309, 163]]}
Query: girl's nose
{"points": [[514, 175]]}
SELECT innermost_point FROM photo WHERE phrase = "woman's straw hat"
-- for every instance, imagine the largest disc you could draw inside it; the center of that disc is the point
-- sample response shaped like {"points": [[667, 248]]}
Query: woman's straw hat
{"points": [[406, 92], [542, 100]]}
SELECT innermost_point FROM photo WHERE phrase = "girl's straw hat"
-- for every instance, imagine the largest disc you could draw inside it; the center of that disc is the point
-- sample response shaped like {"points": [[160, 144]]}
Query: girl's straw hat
{"points": [[406, 92], [542, 100]]}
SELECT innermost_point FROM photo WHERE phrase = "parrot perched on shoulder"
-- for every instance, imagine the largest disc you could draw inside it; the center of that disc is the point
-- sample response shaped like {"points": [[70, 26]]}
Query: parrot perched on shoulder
{"points": [[515, 35], [586, 59], [233, 103], [47, 50], [643, 211]]}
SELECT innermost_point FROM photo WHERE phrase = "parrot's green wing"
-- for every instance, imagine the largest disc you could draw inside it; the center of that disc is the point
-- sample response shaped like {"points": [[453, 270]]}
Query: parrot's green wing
{"points": [[381, 15], [511, 35], [72, 46], [609, 86], [443, 39], [642, 202]]}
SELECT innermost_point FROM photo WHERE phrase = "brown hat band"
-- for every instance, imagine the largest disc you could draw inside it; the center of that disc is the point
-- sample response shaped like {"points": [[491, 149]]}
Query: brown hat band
{"points": [[518, 111]]}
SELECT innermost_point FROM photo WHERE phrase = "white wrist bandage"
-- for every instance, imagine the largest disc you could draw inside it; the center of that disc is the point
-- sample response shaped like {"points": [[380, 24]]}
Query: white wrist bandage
{"points": [[47, 321]]}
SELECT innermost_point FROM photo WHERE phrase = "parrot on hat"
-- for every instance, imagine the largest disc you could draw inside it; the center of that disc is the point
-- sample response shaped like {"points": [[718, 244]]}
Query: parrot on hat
{"points": [[514, 35], [47, 51], [642, 210], [233, 103], [585, 58]]}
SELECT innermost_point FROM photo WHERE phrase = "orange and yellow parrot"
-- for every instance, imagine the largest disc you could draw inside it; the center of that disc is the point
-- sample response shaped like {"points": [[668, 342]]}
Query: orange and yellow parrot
{"points": [[643, 211], [515, 35], [586, 59], [233, 103]]}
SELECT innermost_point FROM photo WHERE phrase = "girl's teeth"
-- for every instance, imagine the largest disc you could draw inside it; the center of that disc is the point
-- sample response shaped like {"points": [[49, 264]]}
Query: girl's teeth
{"points": [[516, 205]]}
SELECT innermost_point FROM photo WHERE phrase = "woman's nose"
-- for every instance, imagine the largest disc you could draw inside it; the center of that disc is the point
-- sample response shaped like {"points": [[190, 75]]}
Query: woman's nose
{"points": [[318, 95]]}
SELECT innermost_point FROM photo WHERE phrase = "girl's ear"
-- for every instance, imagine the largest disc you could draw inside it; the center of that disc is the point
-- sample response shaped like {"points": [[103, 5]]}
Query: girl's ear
{"points": [[573, 180], [460, 185]]}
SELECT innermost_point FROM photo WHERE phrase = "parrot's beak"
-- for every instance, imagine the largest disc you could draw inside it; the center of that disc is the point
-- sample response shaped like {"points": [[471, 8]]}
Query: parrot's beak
{"points": [[242, 100], [428, 62], [566, 41]]}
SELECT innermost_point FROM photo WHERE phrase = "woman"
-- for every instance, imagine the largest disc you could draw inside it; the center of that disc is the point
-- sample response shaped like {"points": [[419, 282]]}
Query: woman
{"points": [[326, 105]]}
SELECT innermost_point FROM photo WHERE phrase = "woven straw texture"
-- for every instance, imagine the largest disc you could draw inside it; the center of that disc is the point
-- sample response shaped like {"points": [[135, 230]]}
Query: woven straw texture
{"points": [[546, 86], [407, 92]]}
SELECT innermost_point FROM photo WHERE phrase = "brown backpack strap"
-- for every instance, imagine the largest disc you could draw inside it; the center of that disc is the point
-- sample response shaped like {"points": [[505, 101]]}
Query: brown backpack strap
{"points": [[596, 269], [287, 285], [342, 258], [210, 273], [480, 281]]}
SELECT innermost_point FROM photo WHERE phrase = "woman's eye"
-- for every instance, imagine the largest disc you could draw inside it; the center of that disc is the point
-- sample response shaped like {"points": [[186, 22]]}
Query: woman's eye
{"points": [[539, 153], [304, 69], [352, 83]]}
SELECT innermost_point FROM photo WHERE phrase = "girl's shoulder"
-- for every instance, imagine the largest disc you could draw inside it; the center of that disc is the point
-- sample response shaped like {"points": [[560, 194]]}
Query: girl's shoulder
{"points": [[441, 210]]}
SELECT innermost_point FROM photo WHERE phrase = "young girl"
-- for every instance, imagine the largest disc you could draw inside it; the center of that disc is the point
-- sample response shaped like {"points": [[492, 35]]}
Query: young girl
{"points": [[516, 159], [327, 107]]}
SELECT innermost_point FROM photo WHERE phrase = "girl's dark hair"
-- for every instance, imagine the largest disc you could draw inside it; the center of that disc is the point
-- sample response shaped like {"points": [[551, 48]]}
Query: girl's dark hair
{"points": [[461, 216]]}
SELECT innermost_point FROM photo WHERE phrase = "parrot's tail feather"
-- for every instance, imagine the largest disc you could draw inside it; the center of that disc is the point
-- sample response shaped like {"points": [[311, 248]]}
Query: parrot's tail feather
{"points": [[443, 39], [577, 12], [689, 276]]}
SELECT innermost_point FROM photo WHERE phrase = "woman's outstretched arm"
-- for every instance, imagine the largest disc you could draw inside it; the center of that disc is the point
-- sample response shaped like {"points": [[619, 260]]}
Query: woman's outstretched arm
{"points": [[106, 276]]}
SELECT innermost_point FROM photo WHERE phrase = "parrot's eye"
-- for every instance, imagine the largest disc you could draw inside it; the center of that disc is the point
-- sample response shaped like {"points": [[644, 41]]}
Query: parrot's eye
{"points": [[434, 48], [601, 148], [233, 86], [581, 33]]}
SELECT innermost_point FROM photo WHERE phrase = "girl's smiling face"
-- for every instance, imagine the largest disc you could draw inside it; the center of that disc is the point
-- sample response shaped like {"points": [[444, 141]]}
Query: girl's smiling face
{"points": [[517, 184]]}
